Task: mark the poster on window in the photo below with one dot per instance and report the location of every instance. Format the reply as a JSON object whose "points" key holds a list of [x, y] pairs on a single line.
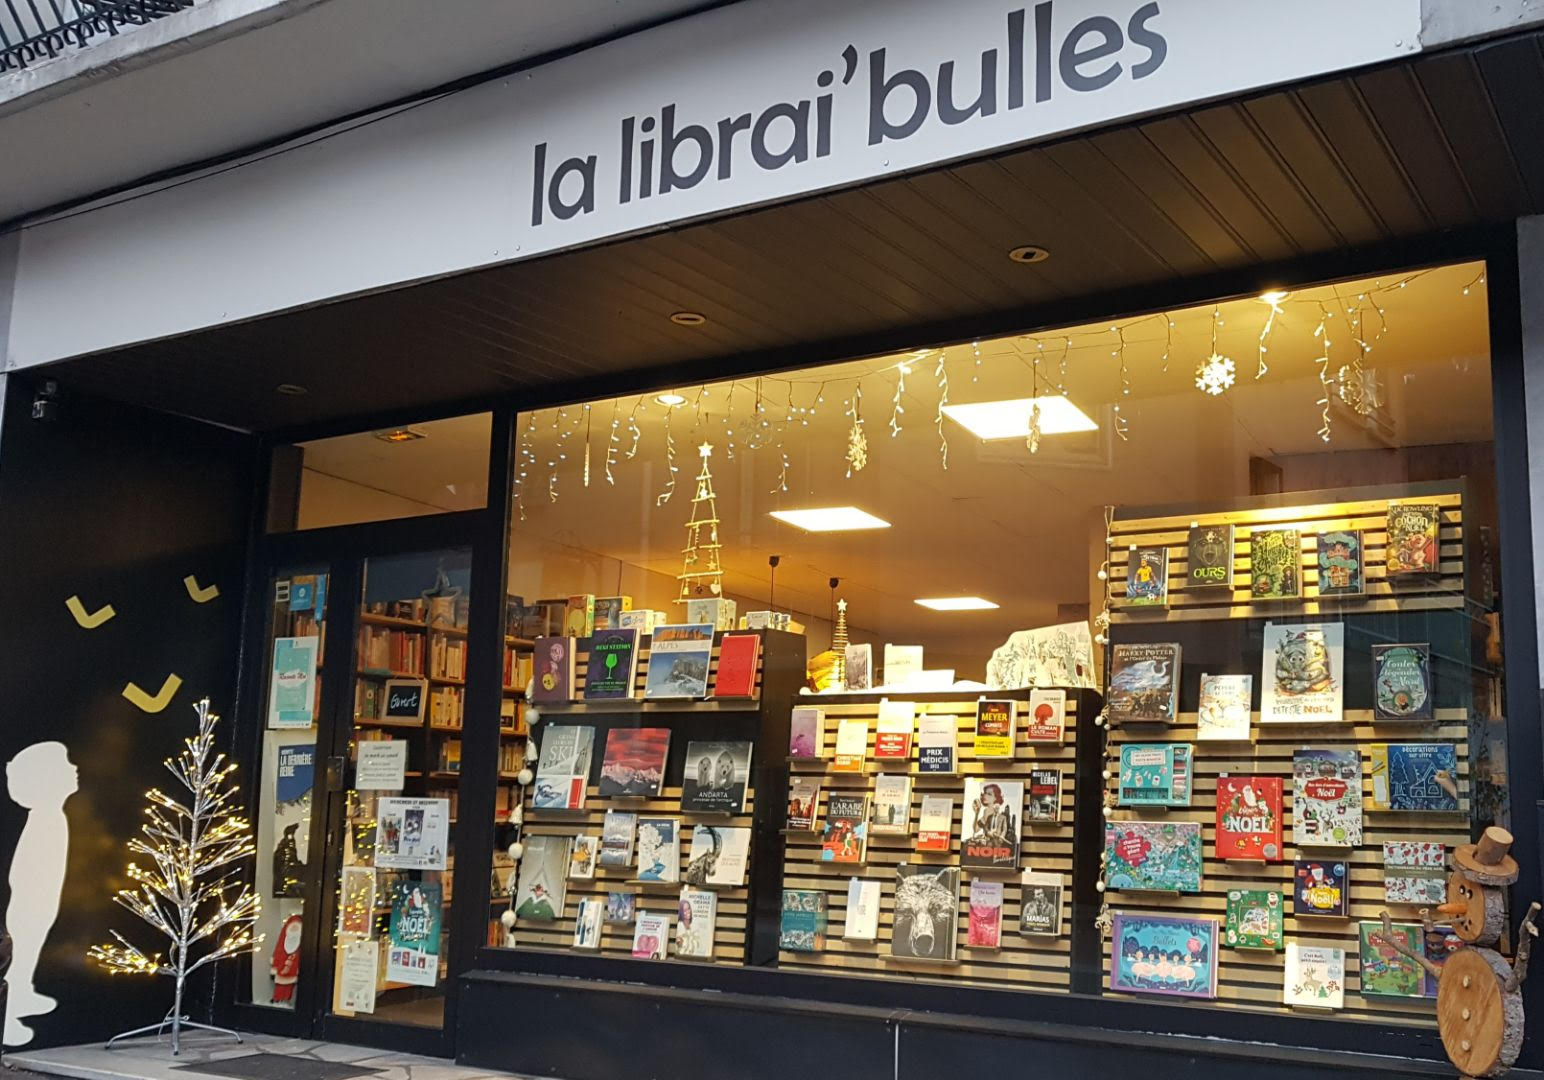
{"points": [[412, 834], [292, 683], [413, 954], [356, 988]]}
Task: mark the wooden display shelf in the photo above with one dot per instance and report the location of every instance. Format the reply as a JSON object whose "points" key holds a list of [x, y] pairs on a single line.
{"points": [[445, 680], [386, 673], [450, 631], [381, 722], [392, 621]]}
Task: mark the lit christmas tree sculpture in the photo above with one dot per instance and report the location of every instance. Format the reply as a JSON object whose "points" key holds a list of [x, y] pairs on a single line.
{"points": [[839, 647], [193, 891], [700, 566]]}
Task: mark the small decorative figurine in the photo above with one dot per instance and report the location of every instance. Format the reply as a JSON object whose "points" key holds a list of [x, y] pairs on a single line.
{"points": [[1479, 994]]}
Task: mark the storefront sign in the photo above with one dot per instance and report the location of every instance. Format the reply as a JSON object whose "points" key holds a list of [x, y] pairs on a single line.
{"points": [[381, 765]]}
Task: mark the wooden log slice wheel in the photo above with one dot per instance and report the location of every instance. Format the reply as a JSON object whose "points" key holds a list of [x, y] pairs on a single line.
{"points": [[1479, 1017]]}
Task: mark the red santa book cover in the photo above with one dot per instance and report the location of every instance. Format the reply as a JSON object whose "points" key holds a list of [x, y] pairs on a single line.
{"points": [[1249, 817]]}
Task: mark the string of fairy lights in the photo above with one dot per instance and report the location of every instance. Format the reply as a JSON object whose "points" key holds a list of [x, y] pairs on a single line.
{"points": [[760, 413]]}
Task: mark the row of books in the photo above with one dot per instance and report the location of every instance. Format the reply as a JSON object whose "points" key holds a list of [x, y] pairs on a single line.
{"points": [[926, 912], [447, 706], [935, 736], [715, 776], [385, 649], [517, 668], [991, 829], [1276, 559], [1302, 681], [447, 657], [680, 658]]}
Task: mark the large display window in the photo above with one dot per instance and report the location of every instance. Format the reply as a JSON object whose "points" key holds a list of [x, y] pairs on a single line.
{"points": [[1157, 656]]}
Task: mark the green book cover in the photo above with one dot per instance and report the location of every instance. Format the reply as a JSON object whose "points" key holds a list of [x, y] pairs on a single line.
{"points": [[1254, 919], [1385, 971]]}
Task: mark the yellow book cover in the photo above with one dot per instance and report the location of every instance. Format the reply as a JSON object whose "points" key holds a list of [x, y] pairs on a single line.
{"points": [[994, 728]]}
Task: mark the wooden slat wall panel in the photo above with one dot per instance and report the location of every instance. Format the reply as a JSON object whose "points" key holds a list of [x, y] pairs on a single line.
{"points": [[731, 930], [1041, 963], [1253, 978]]}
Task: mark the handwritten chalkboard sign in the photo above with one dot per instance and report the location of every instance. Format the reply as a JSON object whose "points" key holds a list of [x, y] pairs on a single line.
{"points": [[404, 700]]}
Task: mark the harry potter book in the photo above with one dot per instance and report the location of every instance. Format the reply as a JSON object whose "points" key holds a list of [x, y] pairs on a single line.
{"points": [[1144, 683], [1147, 577], [1401, 682], [1326, 798], [1249, 817], [1340, 563], [1411, 550], [1209, 557], [1275, 564], [845, 836], [991, 821]]}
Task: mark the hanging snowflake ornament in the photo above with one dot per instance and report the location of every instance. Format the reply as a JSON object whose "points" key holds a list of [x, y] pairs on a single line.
{"points": [[857, 448], [1033, 440], [1214, 375]]}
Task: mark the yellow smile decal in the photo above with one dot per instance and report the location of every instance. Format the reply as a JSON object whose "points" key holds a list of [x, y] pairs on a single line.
{"points": [[91, 620], [146, 703], [200, 595]]}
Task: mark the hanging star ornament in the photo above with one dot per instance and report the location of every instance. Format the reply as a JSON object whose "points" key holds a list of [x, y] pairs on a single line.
{"points": [[1214, 375], [705, 450]]}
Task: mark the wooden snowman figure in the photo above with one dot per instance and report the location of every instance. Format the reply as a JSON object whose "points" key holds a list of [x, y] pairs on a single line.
{"points": [[1479, 994]]}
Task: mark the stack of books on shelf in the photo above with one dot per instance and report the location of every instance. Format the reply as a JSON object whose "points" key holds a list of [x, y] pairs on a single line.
{"points": [[447, 657], [447, 704], [384, 649], [511, 758], [450, 756], [517, 668]]}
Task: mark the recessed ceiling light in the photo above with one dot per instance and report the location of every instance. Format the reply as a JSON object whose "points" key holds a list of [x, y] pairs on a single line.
{"points": [[688, 318], [401, 435], [1274, 296], [957, 603], [1029, 253], [290, 389], [671, 400], [830, 519], [1010, 419]]}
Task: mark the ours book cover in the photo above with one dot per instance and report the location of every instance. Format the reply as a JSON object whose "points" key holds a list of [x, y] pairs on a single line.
{"points": [[1326, 798], [1147, 577], [634, 762], [1249, 817], [1144, 683], [717, 775], [1153, 856], [1412, 540], [991, 822], [1401, 682], [1209, 557], [1414, 776], [1162, 954], [845, 837], [1275, 564]]}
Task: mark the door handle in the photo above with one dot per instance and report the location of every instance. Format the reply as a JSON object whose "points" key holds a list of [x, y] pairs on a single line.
{"points": [[335, 767]]}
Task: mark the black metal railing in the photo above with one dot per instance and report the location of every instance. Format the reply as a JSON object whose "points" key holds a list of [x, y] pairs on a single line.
{"points": [[35, 30]]}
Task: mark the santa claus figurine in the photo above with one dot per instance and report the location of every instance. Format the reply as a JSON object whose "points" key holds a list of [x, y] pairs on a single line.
{"points": [[284, 965]]}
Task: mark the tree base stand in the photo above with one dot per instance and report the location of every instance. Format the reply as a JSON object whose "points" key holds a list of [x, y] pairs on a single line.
{"points": [[176, 1023]]}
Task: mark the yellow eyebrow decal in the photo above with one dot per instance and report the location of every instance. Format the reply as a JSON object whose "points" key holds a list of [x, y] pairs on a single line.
{"points": [[146, 703], [200, 595], [92, 620]]}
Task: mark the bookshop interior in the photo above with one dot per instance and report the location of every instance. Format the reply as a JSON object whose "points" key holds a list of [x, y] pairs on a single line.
{"points": [[1156, 656]]}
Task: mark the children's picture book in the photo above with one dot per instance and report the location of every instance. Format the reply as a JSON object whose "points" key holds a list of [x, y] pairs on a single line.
{"points": [[1040, 904], [1209, 557], [1315, 976], [659, 849], [938, 744], [1326, 798], [1045, 717], [717, 775], [927, 912], [1154, 774], [583, 856], [621, 907], [587, 922], [991, 824], [1254, 919], [579, 616], [1321, 887], [1043, 803], [892, 805], [1414, 776], [903, 664], [1162, 954], [858, 667], [552, 671], [1385, 971], [608, 611], [935, 825], [612, 666], [806, 732], [803, 927], [634, 762], [1401, 682], [679, 657], [863, 897], [696, 919], [1438, 944], [718, 857], [563, 771], [1414, 872], [1144, 683], [1249, 817], [893, 730], [803, 799], [1303, 673], [616, 838], [994, 728], [543, 882], [984, 929], [651, 936], [844, 838], [1153, 856], [1275, 564], [1340, 563], [737, 658], [851, 745], [1147, 577], [1411, 549], [1225, 708]]}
